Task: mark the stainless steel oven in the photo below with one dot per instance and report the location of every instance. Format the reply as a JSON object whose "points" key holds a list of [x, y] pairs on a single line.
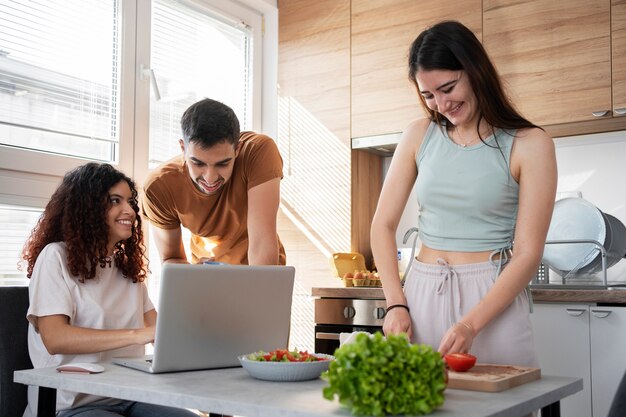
{"points": [[334, 316]]}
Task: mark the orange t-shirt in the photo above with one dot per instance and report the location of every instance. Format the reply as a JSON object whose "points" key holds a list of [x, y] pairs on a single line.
{"points": [[218, 223]]}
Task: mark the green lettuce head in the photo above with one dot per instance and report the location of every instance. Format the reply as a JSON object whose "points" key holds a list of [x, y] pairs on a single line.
{"points": [[379, 376]]}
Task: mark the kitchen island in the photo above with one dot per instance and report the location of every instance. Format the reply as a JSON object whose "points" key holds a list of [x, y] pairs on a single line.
{"points": [[234, 392]]}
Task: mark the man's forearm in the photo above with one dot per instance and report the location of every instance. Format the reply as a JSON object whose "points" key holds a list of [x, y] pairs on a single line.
{"points": [[263, 255]]}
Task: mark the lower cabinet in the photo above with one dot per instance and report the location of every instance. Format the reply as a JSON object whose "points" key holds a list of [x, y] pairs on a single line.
{"points": [[584, 341], [608, 355], [563, 348]]}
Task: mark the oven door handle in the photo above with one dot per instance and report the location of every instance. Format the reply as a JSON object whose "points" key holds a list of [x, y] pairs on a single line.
{"points": [[326, 336]]}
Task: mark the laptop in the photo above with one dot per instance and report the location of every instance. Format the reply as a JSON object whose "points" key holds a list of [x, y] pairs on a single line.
{"points": [[208, 315]]}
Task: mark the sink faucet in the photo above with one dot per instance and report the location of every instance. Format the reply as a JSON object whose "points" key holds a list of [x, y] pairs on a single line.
{"points": [[407, 235]]}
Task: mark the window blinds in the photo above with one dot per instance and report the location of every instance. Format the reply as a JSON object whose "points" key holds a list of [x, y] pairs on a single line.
{"points": [[195, 53], [59, 71]]}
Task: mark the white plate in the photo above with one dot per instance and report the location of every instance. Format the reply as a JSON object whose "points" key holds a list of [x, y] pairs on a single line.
{"points": [[573, 218], [286, 371]]}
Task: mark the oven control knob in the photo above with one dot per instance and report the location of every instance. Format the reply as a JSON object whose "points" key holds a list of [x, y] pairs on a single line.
{"points": [[379, 313], [349, 312]]}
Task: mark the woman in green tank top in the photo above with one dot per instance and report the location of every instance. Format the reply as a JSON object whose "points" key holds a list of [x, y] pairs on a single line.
{"points": [[486, 179]]}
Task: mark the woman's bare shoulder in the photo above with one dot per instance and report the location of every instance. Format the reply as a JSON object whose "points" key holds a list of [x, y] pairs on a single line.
{"points": [[413, 134], [418, 126], [534, 149], [534, 134], [533, 140]]}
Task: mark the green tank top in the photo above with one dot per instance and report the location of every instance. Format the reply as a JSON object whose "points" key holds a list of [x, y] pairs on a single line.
{"points": [[467, 198]]}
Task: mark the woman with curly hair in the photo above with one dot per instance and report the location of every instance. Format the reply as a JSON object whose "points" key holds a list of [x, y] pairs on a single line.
{"points": [[88, 301]]}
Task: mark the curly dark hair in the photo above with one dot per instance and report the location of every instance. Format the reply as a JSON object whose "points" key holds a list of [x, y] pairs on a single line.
{"points": [[76, 215]]}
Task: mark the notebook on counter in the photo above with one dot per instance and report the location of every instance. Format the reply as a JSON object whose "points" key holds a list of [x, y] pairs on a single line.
{"points": [[208, 315]]}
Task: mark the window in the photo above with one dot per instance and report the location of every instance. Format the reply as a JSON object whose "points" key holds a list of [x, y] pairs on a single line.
{"points": [[195, 53], [71, 90], [15, 226], [108, 80], [59, 77]]}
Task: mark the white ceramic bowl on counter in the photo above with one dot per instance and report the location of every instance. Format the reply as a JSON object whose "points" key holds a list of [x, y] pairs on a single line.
{"points": [[286, 371]]}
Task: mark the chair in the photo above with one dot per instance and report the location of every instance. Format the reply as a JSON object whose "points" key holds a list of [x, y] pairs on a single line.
{"points": [[618, 406], [13, 349]]}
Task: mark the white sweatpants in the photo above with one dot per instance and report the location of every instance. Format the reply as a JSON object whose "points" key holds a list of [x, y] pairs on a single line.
{"points": [[440, 295]]}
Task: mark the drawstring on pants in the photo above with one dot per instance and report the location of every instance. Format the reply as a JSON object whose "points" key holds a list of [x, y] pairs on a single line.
{"points": [[451, 285]]}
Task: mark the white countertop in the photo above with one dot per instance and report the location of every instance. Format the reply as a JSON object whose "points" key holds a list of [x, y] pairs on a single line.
{"points": [[234, 392]]}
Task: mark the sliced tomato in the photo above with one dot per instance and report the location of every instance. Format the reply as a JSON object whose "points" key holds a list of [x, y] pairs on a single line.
{"points": [[460, 362], [279, 353]]}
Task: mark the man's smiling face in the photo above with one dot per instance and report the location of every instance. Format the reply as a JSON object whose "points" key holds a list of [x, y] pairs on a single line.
{"points": [[210, 168]]}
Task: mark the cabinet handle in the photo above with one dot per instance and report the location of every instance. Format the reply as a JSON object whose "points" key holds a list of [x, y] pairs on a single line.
{"points": [[327, 336], [600, 113], [601, 314], [621, 111], [575, 312]]}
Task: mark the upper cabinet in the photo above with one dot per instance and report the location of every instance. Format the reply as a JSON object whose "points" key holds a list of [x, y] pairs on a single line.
{"points": [[563, 62], [554, 55], [618, 46], [383, 99]]}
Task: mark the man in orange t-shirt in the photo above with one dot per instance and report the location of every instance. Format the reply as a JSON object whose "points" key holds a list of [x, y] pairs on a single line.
{"points": [[224, 188]]}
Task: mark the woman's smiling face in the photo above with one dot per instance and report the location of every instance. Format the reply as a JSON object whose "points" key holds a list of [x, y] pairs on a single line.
{"points": [[450, 94], [121, 214]]}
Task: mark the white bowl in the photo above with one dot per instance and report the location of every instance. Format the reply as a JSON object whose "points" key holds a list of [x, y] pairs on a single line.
{"points": [[286, 371], [573, 219]]}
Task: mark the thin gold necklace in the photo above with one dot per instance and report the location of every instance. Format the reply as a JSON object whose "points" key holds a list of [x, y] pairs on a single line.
{"points": [[461, 144]]}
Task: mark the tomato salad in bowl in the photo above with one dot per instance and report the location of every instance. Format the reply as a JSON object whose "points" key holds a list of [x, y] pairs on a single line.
{"points": [[285, 365], [284, 355]]}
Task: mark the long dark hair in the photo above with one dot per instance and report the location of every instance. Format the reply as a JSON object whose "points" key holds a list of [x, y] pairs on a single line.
{"points": [[76, 215], [449, 45]]}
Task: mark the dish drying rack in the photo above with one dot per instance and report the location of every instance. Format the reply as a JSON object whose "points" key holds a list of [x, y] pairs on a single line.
{"points": [[541, 280]]}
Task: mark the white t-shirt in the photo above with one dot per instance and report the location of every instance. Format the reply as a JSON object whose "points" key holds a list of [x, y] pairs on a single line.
{"points": [[109, 301]]}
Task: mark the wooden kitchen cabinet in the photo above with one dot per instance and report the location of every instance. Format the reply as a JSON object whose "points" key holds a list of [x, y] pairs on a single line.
{"points": [[558, 71], [383, 99], [554, 55], [584, 341], [314, 118], [331, 189]]}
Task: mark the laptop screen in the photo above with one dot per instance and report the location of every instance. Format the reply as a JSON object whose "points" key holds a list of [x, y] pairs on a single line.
{"points": [[208, 315]]}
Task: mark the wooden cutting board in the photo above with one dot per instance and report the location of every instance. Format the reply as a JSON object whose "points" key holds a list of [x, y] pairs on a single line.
{"points": [[492, 378]]}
